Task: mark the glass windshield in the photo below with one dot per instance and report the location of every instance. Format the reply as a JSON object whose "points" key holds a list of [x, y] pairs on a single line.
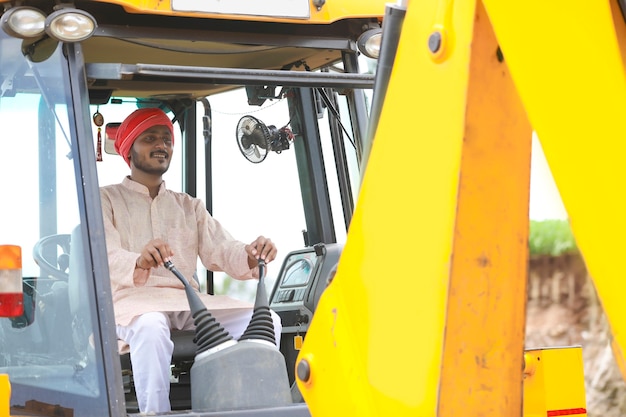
{"points": [[48, 352]]}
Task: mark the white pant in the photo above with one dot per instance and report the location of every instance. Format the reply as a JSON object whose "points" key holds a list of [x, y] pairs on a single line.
{"points": [[148, 337]]}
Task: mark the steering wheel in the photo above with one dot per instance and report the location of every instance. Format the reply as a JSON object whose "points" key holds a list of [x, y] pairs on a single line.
{"points": [[51, 244]]}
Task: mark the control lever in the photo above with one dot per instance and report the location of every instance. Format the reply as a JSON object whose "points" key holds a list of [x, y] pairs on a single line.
{"points": [[238, 374], [261, 326], [195, 303], [209, 332]]}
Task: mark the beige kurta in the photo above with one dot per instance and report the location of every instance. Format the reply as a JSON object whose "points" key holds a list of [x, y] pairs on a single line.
{"points": [[132, 218]]}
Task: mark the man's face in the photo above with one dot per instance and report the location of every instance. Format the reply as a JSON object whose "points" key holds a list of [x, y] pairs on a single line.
{"points": [[152, 150]]}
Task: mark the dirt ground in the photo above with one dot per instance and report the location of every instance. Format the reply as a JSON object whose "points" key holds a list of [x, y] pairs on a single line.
{"points": [[563, 310]]}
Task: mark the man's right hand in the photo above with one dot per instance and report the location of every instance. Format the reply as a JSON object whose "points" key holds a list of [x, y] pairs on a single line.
{"points": [[154, 254]]}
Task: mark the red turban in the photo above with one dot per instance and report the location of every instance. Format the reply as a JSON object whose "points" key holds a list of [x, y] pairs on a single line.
{"points": [[135, 124]]}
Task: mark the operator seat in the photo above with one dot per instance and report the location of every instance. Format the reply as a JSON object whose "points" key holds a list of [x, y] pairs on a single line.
{"points": [[180, 386], [183, 357]]}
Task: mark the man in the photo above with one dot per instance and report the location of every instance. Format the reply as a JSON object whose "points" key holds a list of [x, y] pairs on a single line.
{"points": [[147, 225]]}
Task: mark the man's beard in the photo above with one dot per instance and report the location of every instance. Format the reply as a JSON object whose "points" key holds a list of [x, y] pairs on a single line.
{"points": [[147, 168]]}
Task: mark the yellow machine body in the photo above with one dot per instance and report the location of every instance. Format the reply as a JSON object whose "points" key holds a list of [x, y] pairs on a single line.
{"points": [[426, 313], [554, 383]]}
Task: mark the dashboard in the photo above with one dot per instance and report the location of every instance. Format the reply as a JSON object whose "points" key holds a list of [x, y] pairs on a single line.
{"points": [[303, 276], [297, 274]]}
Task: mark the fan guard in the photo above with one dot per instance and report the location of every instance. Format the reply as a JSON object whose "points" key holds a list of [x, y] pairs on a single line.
{"points": [[253, 139]]}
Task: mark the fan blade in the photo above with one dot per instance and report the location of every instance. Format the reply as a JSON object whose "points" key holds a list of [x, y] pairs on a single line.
{"points": [[253, 138], [246, 142]]}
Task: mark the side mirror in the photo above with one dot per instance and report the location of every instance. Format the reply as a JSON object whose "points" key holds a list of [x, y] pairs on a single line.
{"points": [[109, 137]]}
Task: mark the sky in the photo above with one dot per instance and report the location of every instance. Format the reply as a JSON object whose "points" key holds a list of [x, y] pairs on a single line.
{"points": [[545, 200]]}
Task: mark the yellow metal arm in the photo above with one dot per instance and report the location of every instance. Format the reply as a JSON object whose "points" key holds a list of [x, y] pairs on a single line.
{"points": [[426, 313]]}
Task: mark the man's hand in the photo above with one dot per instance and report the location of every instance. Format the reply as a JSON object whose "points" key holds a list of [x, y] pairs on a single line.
{"points": [[155, 253], [261, 248]]}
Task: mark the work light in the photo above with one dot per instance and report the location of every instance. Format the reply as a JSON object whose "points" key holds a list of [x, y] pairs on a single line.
{"points": [[24, 22], [369, 42], [70, 25]]}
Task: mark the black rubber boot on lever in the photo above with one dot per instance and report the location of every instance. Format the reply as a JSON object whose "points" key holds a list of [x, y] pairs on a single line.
{"points": [[209, 332], [261, 326], [238, 374]]}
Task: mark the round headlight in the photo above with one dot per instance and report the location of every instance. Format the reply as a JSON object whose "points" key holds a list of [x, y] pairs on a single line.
{"points": [[24, 22], [369, 43], [70, 25]]}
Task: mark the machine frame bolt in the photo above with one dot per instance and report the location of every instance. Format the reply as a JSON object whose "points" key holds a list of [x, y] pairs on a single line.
{"points": [[434, 42], [303, 370]]}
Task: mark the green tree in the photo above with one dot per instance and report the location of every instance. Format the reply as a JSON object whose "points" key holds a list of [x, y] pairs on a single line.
{"points": [[551, 237]]}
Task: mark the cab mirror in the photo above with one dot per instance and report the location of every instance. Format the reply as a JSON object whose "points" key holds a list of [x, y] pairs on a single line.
{"points": [[109, 137]]}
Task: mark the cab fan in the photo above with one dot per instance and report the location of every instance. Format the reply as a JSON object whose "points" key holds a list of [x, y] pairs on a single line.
{"points": [[255, 139]]}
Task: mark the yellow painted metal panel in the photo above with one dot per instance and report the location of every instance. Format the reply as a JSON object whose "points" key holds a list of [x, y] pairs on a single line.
{"points": [[5, 394], [568, 64], [375, 343], [554, 383], [331, 11]]}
